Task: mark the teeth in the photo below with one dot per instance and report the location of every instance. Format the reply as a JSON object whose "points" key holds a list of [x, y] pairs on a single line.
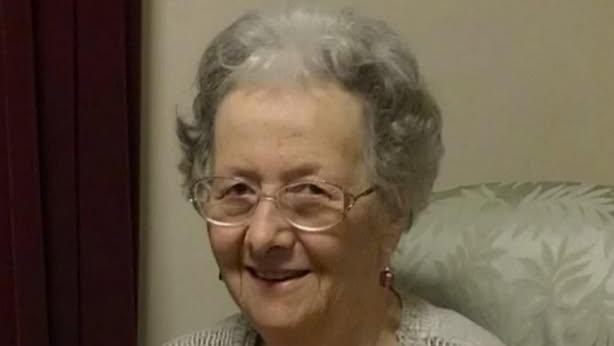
{"points": [[278, 275]]}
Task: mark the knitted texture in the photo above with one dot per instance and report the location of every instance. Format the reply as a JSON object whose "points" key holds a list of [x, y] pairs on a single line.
{"points": [[422, 324]]}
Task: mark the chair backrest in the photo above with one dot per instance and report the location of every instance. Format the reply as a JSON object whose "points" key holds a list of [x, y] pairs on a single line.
{"points": [[531, 262]]}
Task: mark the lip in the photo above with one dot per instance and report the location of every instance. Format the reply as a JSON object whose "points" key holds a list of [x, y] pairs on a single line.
{"points": [[277, 276]]}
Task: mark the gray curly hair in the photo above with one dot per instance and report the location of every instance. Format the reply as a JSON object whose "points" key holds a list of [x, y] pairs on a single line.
{"points": [[363, 55]]}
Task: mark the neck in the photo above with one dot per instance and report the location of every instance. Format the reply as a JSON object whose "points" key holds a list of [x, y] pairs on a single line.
{"points": [[359, 323]]}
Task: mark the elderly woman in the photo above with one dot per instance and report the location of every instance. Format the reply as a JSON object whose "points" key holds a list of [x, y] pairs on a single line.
{"points": [[313, 144]]}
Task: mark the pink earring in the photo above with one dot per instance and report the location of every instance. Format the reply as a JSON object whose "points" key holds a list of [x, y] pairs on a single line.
{"points": [[386, 277]]}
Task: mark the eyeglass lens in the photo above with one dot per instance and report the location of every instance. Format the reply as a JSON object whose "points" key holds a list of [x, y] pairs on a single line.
{"points": [[307, 204]]}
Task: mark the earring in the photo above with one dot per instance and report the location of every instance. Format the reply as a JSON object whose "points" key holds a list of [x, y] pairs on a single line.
{"points": [[386, 277], [219, 276]]}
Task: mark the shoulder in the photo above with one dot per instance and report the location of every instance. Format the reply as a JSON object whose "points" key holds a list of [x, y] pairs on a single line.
{"points": [[232, 331], [432, 325], [456, 329]]}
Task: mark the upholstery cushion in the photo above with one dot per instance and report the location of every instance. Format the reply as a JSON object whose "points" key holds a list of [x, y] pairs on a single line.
{"points": [[531, 262]]}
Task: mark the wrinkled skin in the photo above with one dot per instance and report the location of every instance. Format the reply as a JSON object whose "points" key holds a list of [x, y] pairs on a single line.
{"points": [[272, 135]]}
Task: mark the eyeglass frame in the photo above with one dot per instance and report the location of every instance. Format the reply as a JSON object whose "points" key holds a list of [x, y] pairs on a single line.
{"points": [[347, 196]]}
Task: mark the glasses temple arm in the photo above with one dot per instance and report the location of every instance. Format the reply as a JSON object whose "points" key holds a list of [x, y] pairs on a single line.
{"points": [[353, 198]]}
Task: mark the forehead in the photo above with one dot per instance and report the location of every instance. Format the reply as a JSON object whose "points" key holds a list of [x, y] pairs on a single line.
{"points": [[280, 127]]}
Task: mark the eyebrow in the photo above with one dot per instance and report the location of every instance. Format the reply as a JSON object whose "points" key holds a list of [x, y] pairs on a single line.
{"points": [[243, 173], [301, 170], [293, 173]]}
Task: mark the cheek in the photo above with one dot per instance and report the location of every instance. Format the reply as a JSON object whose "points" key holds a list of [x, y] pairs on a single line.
{"points": [[362, 248], [347, 256], [361, 243], [226, 245]]}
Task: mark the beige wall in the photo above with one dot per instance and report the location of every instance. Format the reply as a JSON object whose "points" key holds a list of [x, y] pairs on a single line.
{"points": [[527, 90]]}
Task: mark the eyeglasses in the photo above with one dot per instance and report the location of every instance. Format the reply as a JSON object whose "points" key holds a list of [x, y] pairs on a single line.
{"points": [[309, 205]]}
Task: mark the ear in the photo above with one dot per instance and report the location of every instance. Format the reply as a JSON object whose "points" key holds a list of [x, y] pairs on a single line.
{"points": [[390, 237]]}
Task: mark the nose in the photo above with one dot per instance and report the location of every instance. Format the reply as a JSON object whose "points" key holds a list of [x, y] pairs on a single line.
{"points": [[268, 230]]}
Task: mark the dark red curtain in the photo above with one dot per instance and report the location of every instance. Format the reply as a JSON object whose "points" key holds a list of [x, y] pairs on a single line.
{"points": [[69, 122]]}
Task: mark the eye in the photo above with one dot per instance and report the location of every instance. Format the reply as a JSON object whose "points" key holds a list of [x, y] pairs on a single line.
{"points": [[235, 190], [315, 189], [309, 189]]}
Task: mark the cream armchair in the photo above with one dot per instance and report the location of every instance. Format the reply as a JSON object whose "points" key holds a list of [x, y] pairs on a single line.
{"points": [[531, 262]]}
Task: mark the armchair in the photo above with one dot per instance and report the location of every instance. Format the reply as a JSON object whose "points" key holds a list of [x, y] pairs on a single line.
{"points": [[531, 262]]}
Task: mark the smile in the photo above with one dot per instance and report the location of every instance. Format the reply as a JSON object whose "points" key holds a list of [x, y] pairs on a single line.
{"points": [[277, 276]]}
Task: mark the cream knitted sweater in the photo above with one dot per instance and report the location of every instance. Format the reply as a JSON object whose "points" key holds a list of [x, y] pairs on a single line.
{"points": [[422, 324]]}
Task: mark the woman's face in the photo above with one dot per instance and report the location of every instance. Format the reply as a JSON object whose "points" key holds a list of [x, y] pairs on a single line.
{"points": [[278, 275]]}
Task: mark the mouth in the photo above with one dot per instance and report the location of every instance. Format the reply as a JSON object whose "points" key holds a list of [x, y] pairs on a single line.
{"points": [[277, 276]]}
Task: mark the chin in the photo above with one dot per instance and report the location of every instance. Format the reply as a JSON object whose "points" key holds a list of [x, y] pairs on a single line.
{"points": [[277, 317], [280, 305]]}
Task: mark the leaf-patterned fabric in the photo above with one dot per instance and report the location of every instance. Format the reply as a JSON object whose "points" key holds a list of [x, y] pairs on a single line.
{"points": [[531, 262]]}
